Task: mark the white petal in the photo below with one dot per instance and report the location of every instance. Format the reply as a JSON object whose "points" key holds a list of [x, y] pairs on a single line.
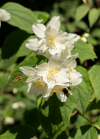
{"points": [[27, 70], [61, 36], [4, 15], [70, 62], [55, 61], [62, 77], [42, 69], [50, 32], [55, 22], [46, 54], [39, 30], [58, 48], [46, 92], [43, 48], [72, 37], [76, 81], [32, 44], [34, 90], [61, 97]]}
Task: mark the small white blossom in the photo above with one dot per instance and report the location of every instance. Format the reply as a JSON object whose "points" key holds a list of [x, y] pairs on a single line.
{"points": [[14, 90], [84, 39], [33, 138], [4, 15], [9, 121], [19, 104], [86, 35]]}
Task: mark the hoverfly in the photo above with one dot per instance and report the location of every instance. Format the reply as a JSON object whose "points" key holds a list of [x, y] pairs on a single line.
{"points": [[17, 78]]}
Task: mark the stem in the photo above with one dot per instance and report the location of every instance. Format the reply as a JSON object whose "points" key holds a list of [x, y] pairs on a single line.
{"points": [[86, 118], [97, 126], [42, 136]]}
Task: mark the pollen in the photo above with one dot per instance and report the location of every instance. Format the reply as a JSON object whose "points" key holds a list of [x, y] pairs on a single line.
{"points": [[56, 90], [52, 73], [53, 40], [39, 83]]}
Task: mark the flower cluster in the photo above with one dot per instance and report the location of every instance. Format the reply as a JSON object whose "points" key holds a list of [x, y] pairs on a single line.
{"points": [[4, 15], [59, 73]]}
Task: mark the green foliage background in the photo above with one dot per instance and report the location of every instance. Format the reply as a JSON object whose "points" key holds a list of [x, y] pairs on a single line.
{"points": [[63, 122]]}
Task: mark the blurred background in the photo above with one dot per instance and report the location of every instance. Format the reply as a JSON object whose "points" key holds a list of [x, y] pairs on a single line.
{"points": [[15, 104]]}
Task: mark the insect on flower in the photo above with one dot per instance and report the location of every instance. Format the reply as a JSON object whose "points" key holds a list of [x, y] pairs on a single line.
{"points": [[66, 92]]}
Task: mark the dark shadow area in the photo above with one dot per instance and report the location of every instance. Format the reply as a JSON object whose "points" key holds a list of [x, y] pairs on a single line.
{"points": [[21, 132], [83, 129], [50, 115]]}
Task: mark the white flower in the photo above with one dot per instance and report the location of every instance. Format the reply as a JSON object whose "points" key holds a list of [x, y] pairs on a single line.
{"points": [[52, 72], [84, 39], [4, 15], [9, 121], [19, 104], [51, 38], [86, 35], [75, 77], [36, 85]]}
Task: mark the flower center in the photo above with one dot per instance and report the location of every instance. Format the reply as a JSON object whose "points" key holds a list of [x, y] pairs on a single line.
{"points": [[56, 90], [52, 41], [52, 73], [39, 83]]}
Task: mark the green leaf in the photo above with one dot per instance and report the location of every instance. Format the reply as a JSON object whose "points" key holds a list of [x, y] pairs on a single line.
{"points": [[20, 132], [63, 135], [82, 93], [82, 25], [84, 51], [13, 42], [42, 16], [23, 50], [98, 123], [93, 16], [95, 80], [32, 115], [81, 11], [21, 17], [96, 32], [3, 80], [55, 114], [84, 132], [81, 121], [30, 61], [93, 105]]}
